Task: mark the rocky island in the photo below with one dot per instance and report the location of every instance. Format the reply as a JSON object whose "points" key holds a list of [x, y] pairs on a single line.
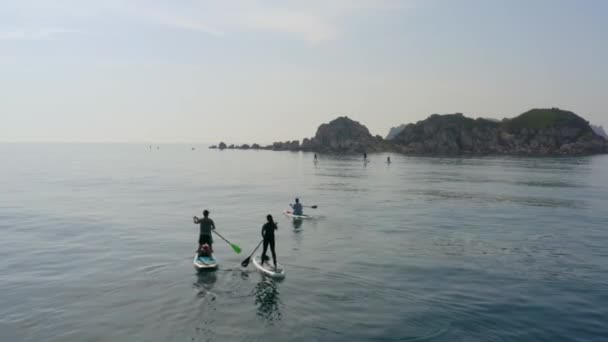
{"points": [[538, 132]]}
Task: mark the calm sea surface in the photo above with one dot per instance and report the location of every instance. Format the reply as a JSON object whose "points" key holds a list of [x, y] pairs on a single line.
{"points": [[97, 243]]}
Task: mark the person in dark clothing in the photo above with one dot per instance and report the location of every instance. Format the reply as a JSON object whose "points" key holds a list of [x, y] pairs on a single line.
{"points": [[268, 234], [206, 225]]}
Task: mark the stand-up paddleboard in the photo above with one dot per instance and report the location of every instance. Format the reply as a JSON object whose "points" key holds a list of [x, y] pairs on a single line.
{"points": [[204, 262], [268, 269], [289, 213]]}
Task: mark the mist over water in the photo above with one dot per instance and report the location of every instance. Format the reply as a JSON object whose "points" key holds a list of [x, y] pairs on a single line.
{"points": [[97, 244]]}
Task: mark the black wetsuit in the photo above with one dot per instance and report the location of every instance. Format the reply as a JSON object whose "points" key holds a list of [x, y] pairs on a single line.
{"points": [[268, 234]]}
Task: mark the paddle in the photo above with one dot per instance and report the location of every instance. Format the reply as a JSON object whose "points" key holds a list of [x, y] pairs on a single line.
{"points": [[310, 206], [245, 262], [236, 248]]}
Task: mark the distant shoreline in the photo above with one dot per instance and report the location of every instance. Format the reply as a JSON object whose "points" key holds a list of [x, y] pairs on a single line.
{"points": [[539, 132]]}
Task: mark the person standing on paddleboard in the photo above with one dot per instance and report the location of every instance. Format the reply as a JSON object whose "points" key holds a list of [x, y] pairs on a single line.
{"points": [[205, 233], [297, 208], [268, 234]]}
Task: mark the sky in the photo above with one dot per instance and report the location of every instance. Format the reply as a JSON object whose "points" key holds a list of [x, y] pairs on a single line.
{"points": [[247, 71]]}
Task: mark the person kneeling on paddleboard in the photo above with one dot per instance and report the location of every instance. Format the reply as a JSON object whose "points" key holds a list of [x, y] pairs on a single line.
{"points": [[205, 233], [268, 234], [297, 208]]}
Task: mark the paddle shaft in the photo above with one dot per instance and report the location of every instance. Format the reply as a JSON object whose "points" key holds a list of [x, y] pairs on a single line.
{"points": [[256, 248], [246, 261], [218, 234], [307, 206]]}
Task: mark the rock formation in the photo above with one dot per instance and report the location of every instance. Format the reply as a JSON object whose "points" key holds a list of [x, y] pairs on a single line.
{"points": [[536, 132], [394, 131], [343, 135]]}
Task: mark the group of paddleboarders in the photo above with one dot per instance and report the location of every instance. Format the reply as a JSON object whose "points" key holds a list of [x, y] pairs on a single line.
{"points": [[205, 239]]}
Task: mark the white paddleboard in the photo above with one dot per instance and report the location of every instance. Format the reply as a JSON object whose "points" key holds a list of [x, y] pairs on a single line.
{"points": [[205, 263], [289, 213], [268, 269]]}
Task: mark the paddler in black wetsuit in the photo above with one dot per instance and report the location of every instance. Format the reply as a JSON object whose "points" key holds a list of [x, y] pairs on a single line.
{"points": [[268, 234], [207, 225]]}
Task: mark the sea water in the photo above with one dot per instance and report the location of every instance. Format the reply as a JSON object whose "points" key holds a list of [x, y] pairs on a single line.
{"points": [[97, 243]]}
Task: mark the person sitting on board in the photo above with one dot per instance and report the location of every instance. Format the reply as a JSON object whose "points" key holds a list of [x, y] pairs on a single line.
{"points": [[207, 225], [268, 234], [297, 208], [204, 251]]}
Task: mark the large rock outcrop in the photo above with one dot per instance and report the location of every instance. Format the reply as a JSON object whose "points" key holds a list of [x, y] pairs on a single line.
{"points": [[343, 135], [448, 134], [394, 131], [536, 132]]}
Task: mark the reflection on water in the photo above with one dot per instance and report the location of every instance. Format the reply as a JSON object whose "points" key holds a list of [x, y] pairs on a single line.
{"points": [[205, 281], [267, 300], [297, 223]]}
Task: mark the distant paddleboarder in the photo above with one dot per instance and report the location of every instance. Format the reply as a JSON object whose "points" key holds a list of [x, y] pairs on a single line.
{"points": [[315, 159], [297, 208], [206, 225], [268, 234], [388, 160]]}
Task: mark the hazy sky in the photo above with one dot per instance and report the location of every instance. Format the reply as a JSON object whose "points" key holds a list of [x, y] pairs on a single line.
{"points": [[261, 71]]}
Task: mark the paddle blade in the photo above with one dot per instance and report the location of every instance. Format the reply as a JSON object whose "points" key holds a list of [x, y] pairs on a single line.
{"points": [[236, 248], [245, 262], [314, 207]]}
